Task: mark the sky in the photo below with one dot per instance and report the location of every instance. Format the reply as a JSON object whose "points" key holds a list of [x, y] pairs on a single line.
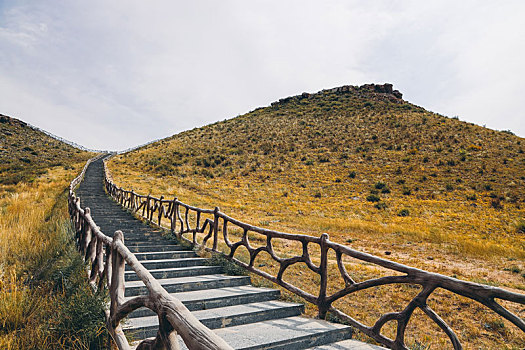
{"points": [[110, 75]]}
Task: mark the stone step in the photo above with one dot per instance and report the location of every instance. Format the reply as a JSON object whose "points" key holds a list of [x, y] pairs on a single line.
{"points": [[215, 298], [145, 239], [283, 334], [126, 227], [144, 248], [177, 272], [185, 284], [169, 263], [348, 344], [166, 255], [229, 316]]}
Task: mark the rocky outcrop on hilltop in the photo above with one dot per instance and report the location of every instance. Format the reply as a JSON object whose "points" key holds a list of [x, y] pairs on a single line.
{"points": [[374, 91]]}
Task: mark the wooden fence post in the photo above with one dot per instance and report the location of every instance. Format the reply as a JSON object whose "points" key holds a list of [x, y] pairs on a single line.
{"points": [[215, 228], [173, 216], [87, 235], [77, 216], [323, 272], [117, 290], [132, 204], [161, 210]]}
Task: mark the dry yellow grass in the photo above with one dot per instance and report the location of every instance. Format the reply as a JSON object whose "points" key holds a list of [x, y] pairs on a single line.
{"points": [[23, 212], [454, 202], [36, 304], [24, 241]]}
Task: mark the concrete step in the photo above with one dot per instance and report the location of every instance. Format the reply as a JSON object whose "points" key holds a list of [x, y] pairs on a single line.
{"points": [[177, 272], [185, 284], [229, 316], [284, 334], [143, 248], [177, 254], [348, 344], [142, 239], [215, 298], [170, 263]]}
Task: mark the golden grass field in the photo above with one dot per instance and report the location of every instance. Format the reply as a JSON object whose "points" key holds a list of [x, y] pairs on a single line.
{"points": [[382, 176]]}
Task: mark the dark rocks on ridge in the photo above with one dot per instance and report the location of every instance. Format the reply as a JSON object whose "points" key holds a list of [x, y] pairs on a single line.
{"points": [[382, 91]]}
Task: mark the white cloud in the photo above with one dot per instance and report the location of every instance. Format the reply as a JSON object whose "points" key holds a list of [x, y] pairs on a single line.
{"points": [[131, 71]]}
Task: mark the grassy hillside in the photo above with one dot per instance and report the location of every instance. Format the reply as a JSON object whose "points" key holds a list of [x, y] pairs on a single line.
{"points": [[372, 170], [26, 153], [45, 300]]}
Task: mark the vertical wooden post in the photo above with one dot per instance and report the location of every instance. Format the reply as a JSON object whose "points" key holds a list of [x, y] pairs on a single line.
{"points": [[161, 210], [215, 228], [95, 257], [87, 234], [109, 266], [173, 218], [198, 222], [99, 268], [77, 216], [180, 221], [147, 206], [322, 305], [186, 219], [117, 289], [133, 206]]}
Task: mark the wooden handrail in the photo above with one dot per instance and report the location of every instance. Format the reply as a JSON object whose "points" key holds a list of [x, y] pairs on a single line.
{"points": [[428, 281], [107, 258]]}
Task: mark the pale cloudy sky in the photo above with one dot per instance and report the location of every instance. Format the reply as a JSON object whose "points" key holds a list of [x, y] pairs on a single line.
{"points": [[115, 74]]}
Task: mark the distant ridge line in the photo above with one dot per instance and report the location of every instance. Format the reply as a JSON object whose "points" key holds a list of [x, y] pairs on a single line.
{"points": [[56, 137]]}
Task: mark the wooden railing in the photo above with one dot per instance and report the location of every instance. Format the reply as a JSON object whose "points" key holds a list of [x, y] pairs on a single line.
{"points": [[185, 219], [107, 258]]}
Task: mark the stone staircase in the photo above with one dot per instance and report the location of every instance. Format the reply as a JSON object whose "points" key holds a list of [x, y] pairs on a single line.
{"points": [[245, 316]]}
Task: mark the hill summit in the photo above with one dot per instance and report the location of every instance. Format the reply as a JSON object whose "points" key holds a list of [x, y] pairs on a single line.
{"points": [[371, 91]]}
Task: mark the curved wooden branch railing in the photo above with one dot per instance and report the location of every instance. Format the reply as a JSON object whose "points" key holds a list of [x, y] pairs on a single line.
{"points": [[185, 219], [107, 258]]}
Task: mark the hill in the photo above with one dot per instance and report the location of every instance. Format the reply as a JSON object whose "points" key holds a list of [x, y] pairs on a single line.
{"points": [[348, 150], [26, 152], [374, 171]]}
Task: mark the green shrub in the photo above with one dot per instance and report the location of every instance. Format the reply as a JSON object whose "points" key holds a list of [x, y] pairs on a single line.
{"points": [[373, 198], [380, 185], [496, 203], [404, 212], [380, 205]]}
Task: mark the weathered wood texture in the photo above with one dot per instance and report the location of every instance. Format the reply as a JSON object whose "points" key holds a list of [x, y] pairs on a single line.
{"points": [[174, 317], [185, 219]]}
